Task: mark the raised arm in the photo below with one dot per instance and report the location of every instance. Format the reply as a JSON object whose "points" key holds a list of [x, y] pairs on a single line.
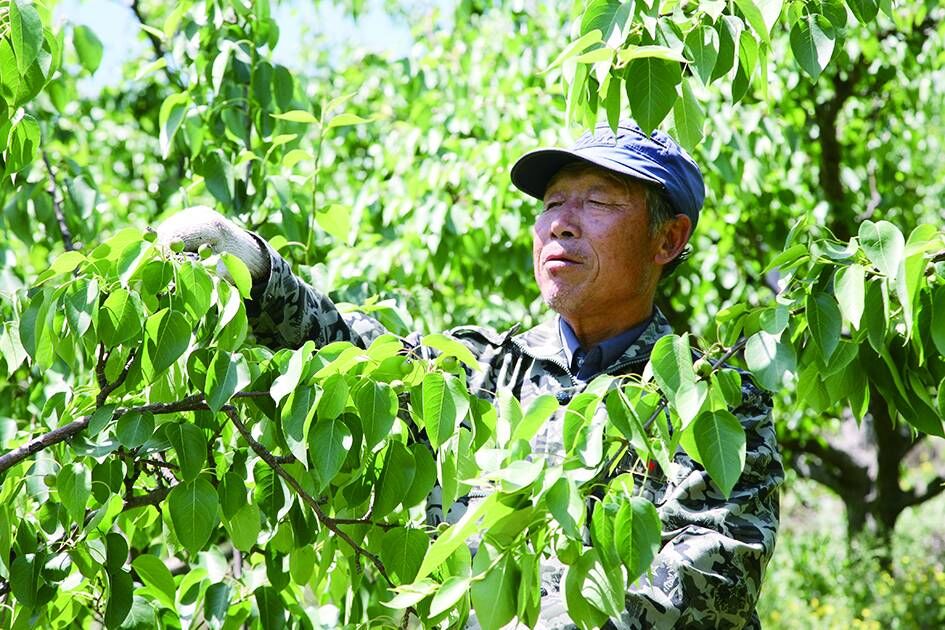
{"points": [[284, 311]]}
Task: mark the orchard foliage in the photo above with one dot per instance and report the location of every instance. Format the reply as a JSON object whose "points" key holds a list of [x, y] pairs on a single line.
{"points": [[159, 467]]}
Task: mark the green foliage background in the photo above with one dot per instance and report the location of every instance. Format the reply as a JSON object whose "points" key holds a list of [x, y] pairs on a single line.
{"points": [[384, 181]]}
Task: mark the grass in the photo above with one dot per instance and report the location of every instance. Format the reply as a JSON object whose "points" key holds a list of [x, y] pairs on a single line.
{"points": [[816, 580]]}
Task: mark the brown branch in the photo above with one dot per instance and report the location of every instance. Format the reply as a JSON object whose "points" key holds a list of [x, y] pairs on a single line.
{"points": [[152, 498], [933, 488], [364, 521], [44, 441], [106, 388], [53, 191], [326, 520]]}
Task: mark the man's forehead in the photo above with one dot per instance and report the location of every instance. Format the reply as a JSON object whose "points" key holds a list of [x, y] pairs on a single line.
{"points": [[591, 176]]}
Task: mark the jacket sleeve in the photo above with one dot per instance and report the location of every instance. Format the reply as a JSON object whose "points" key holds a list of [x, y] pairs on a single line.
{"points": [[285, 312], [709, 570]]}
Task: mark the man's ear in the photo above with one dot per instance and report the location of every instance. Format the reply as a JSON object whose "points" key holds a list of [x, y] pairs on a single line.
{"points": [[672, 238]]}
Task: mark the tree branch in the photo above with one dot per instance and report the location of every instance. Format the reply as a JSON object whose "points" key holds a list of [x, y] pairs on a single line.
{"points": [[106, 388], [152, 498], [326, 520], [44, 441], [53, 191], [933, 488]]}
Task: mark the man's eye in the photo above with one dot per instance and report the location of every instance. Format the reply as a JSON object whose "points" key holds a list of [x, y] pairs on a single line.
{"points": [[550, 205]]}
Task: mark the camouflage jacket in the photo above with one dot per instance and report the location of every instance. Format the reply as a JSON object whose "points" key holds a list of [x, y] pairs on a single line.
{"points": [[709, 570]]}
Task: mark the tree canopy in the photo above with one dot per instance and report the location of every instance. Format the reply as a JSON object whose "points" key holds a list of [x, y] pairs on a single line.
{"points": [[159, 467]]}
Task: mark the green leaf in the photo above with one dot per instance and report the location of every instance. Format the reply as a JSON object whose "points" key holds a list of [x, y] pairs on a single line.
{"points": [[302, 563], [134, 429], [88, 46], [153, 573], [575, 48], [196, 288], [345, 119], [884, 245], [226, 375], [823, 320], [239, 273], [244, 527], [637, 531], [216, 602], [190, 445], [286, 382], [297, 414], [170, 118], [753, 15], [610, 17], [812, 41], [334, 397], [395, 480], [271, 608], [651, 89], [402, 551], [218, 176], [67, 262], [336, 220], [74, 483], [494, 591], [479, 519], [581, 610], [452, 348], [537, 414], [565, 504], [445, 403], [716, 440], [81, 306], [166, 338], [120, 597], [424, 477], [688, 119], [26, 578], [297, 116], [770, 361], [26, 33], [702, 43], [937, 328], [120, 318], [328, 442], [876, 314], [377, 406], [193, 510], [448, 595], [864, 10], [850, 289], [671, 360]]}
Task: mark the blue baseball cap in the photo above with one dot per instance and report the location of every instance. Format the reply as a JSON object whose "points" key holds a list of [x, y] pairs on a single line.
{"points": [[654, 158]]}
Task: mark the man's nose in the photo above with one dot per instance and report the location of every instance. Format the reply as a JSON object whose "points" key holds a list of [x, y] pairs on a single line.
{"points": [[565, 223]]}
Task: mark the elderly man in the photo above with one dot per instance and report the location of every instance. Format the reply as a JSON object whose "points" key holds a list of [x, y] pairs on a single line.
{"points": [[618, 210]]}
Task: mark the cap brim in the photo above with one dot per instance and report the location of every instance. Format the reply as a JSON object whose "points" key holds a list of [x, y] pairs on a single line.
{"points": [[533, 171]]}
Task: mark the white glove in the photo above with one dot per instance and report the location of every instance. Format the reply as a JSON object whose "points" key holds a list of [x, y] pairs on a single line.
{"points": [[200, 225]]}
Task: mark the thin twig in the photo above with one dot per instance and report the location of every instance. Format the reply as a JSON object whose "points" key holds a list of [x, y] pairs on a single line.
{"points": [[152, 498], [106, 388], [44, 441], [326, 520], [53, 191]]}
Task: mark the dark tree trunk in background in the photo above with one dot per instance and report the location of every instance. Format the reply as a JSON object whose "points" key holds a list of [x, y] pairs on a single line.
{"points": [[863, 465]]}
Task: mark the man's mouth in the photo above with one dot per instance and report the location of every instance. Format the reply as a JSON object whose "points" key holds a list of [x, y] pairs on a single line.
{"points": [[561, 260]]}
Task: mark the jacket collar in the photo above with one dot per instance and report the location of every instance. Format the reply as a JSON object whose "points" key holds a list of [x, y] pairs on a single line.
{"points": [[544, 341]]}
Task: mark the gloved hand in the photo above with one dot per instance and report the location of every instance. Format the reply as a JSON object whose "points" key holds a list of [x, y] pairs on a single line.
{"points": [[200, 225]]}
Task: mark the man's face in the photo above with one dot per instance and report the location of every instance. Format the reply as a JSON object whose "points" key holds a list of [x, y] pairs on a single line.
{"points": [[593, 254]]}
